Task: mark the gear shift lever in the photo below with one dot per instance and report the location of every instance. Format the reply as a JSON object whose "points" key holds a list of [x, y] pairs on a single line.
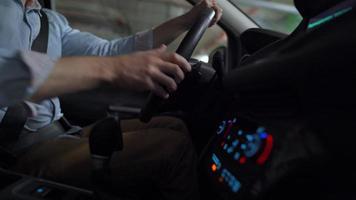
{"points": [[104, 140]]}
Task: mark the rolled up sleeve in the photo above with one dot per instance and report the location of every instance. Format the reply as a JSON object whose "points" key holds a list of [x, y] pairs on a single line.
{"points": [[77, 43], [21, 74], [144, 41]]}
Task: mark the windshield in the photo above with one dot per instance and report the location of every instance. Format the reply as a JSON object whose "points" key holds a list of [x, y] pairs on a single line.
{"points": [[277, 15], [112, 19]]}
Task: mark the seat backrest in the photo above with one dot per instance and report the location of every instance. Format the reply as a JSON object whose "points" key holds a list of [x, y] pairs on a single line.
{"points": [[309, 9], [312, 65], [45, 3]]}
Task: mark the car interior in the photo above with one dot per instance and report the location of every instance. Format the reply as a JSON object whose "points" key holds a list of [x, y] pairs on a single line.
{"points": [[272, 115]]}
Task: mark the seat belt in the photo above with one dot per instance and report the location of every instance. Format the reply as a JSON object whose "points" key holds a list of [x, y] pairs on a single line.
{"points": [[40, 44], [16, 116]]}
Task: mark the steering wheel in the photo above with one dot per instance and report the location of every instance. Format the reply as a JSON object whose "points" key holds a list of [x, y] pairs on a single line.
{"points": [[185, 49]]}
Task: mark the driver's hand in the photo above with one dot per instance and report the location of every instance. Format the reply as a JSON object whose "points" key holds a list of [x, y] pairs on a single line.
{"points": [[194, 13], [157, 70]]}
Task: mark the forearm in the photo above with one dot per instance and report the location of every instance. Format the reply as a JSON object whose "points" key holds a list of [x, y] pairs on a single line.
{"points": [[156, 70], [74, 74], [170, 30]]}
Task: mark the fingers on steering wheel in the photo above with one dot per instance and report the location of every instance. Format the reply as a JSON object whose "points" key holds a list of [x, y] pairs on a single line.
{"points": [[207, 2], [173, 70], [218, 14], [158, 90], [165, 81], [179, 60], [218, 11]]}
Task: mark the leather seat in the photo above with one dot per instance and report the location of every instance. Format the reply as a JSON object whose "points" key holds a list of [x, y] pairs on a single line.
{"points": [[307, 10]]}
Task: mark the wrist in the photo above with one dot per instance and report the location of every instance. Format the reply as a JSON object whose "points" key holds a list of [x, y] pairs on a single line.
{"points": [[105, 69]]}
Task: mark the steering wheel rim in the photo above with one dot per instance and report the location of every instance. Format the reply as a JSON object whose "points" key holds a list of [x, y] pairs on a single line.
{"points": [[185, 49]]}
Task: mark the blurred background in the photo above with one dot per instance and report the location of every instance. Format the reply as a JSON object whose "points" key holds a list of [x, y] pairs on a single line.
{"points": [[119, 18], [278, 15]]}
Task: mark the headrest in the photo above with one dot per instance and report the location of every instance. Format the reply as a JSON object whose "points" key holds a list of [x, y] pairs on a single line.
{"points": [[311, 8], [45, 3], [41, 2]]}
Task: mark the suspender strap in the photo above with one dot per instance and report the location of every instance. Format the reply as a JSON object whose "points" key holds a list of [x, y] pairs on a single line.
{"points": [[16, 116], [40, 44]]}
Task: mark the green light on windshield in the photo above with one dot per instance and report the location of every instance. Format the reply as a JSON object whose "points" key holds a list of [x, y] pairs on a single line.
{"points": [[328, 18]]}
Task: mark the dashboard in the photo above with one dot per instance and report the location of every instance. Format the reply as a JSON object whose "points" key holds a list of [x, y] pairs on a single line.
{"points": [[237, 156]]}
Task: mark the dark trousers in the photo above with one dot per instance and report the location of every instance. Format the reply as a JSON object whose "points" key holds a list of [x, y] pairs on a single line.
{"points": [[158, 161]]}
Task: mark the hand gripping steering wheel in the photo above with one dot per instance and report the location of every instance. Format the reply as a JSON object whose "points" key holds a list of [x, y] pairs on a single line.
{"points": [[185, 49]]}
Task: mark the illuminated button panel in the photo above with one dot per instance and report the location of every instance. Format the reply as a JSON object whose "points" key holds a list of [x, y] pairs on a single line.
{"points": [[225, 176], [242, 147]]}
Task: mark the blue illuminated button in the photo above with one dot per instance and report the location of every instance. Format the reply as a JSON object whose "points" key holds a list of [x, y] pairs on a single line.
{"points": [[216, 161], [237, 156], [253, 145], [231, 181], [249, 138], [230, 150], [261, 130], [243, 146], [40, 190], [235, 143], [236, 186], [226, 146], [263, 135]]}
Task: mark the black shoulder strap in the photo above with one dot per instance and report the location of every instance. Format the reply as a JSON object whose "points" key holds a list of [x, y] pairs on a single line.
{"points": [[40, 44], [16, 116]]}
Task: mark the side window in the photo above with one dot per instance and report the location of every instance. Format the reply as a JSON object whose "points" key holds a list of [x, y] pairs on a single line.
{"points": [[111, 19], [278, 15]]}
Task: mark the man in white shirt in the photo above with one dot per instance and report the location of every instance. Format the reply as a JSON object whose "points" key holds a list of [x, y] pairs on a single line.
{"points": [[157, 156]]}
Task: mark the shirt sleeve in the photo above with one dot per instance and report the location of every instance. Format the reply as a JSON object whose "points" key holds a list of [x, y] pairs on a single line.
{"points": [[21, 73], [77, 43]]}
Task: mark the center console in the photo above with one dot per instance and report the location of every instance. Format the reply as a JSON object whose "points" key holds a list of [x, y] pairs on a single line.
{"points": [[20, 187], [237, 156]]}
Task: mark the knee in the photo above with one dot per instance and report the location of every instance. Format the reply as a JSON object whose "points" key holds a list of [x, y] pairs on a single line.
{"points": [[178, 146], [171, 123], [179, 160]]}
